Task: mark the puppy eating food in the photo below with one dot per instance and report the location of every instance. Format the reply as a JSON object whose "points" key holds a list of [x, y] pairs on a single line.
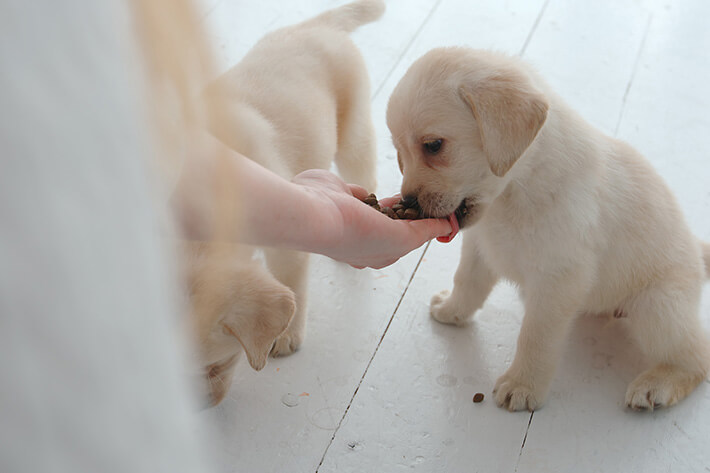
{"points": [[579, 221]]}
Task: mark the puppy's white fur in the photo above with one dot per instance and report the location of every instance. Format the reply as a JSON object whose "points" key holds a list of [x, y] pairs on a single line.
{"points": [[300, 99], [578, 220]]}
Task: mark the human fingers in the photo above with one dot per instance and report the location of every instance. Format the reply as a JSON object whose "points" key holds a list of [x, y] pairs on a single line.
{"points": [[390, 201], [428, 228], [377, 263], [358, 191], [384, 264]]}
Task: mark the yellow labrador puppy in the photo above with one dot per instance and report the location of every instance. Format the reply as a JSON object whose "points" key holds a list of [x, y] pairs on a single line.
{"points": [[300, 99], [579, 221], [236, 305]]}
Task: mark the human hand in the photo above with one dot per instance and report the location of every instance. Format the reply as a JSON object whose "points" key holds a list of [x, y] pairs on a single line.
{"points": [[347, 230]]}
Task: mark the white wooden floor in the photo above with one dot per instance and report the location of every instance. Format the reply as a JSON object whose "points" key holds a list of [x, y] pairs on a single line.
{"points": [[380, 387]]}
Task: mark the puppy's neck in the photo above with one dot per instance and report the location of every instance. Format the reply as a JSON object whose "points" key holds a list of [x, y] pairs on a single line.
{"points": [[555, 162]]}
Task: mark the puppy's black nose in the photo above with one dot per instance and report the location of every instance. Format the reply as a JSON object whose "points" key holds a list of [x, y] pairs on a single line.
{"points": [[409, 200]]}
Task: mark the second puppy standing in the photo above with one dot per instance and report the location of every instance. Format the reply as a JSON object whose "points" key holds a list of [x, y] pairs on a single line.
{"points": [[300, 99]]}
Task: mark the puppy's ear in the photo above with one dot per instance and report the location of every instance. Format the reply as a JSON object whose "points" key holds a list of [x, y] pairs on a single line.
{"points": [[509, 114], [234, 296], [259, 318]]}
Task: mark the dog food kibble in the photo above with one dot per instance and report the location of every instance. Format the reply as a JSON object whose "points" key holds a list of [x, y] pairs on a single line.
{"points": [[389, 212], [398, 211], [478, 397], [371, 200], [411, 214]]}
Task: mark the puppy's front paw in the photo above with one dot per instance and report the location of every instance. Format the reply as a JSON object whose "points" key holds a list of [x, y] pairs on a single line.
{"points": [[661, 386], [443, 309], [517, 393], [287, 343]]}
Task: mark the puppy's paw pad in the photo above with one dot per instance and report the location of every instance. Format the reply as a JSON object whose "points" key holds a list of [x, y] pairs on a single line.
{"points": [[443, 310], [287, 344], [516, 395]]}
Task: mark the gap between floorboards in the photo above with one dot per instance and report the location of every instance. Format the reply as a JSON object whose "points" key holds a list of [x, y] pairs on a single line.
{"points": [[374, 353]]}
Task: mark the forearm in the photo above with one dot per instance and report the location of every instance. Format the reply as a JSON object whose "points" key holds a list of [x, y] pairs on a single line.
{"points": [[223, 195], [280, 213]]}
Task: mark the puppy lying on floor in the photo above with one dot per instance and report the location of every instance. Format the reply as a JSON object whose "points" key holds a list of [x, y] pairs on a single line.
{"points": [[579, 221], [300, 99]]}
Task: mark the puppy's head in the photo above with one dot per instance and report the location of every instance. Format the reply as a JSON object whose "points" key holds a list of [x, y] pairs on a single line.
{"points": [[236, 306], [460, 119]]}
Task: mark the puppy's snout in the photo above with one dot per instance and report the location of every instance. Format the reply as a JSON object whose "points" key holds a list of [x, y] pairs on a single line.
{"points": [[431, 204], [409, 200]]}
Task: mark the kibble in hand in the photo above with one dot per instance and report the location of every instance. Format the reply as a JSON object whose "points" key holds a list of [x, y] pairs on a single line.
{"points": [[389, 212], [371, 200], [398, 211], [411, 213]]}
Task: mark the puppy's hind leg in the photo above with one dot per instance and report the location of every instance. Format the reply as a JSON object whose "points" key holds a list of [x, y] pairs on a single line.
{"points": [[665, 324], [473, 283], [291, 269]]}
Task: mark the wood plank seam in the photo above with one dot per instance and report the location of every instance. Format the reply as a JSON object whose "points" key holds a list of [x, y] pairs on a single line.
{"points": [[639, 54], [534, 28], [374, 354], [406, 48]]}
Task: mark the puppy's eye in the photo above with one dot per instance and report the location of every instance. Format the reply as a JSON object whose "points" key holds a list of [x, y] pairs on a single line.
{"points": [[433, 146]]}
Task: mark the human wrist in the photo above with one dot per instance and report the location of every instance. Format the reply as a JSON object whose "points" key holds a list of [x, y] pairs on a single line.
{"points": [[315, 222]]}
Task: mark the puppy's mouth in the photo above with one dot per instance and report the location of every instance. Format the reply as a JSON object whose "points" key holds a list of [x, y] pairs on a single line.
{"points": [[461, 217]]}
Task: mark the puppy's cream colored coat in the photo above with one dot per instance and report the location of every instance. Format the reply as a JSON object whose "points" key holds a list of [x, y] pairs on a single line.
{"points": [[578, 220], [300, 99], [236, 304]]}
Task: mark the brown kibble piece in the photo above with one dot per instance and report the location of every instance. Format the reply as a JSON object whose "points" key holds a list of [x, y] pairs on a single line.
{"points": [[371, 200], [478, 397], [411, 214], [398, 210], [389, 212]]}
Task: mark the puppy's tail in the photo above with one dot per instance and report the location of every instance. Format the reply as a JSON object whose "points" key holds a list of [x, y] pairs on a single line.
{"points": [[350, 16], [706, 257]]}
